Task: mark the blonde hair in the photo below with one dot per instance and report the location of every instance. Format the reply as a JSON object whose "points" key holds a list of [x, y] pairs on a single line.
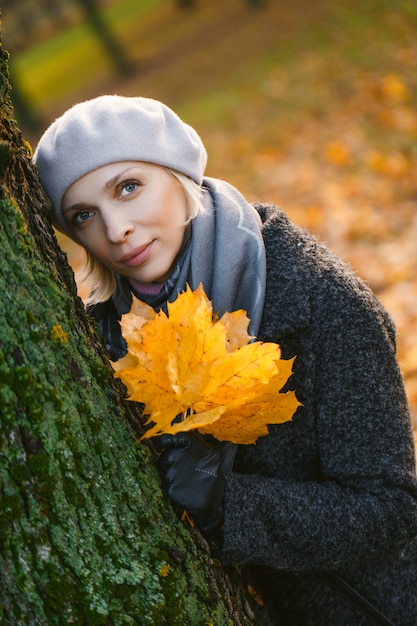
{"points": [[96, 279]]}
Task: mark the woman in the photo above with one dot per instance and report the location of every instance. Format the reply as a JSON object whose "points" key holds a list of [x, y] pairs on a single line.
{"points": [[322, 512]]}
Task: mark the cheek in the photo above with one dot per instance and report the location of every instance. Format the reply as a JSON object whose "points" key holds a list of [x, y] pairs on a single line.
{"points": [[179, 212], [174, 204]]}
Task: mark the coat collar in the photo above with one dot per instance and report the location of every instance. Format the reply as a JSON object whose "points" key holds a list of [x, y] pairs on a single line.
{"points": [[287, 298]]}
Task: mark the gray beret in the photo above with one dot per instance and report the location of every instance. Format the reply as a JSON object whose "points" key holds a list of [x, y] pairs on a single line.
{"points": [[110, 129]]}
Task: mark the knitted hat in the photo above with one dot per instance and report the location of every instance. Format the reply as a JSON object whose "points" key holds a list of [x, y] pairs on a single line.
{"points": [[110, 129]]}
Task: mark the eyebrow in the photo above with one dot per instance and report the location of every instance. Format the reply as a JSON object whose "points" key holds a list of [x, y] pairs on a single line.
{"points": [[76, 207], [113, 181]]}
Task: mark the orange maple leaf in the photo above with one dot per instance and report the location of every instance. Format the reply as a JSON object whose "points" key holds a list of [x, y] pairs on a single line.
{"points": [[191, 364]]}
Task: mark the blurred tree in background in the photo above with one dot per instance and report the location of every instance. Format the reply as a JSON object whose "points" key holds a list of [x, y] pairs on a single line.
{"points": [[32, 22], [114, 50]]}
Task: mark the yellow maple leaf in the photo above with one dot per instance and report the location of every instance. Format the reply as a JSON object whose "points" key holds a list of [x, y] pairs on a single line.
{"points": [[191, 364]]}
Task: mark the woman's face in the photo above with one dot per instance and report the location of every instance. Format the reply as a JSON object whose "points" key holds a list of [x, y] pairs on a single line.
{"points": [[130, 216]]}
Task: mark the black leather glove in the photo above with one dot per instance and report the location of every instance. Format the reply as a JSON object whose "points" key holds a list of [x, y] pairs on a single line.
{"points": [[192, 476]]}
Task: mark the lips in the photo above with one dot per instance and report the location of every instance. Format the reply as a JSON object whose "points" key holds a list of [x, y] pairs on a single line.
{"points": [[137, 256]]}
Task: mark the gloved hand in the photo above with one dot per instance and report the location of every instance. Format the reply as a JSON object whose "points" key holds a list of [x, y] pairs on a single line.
{"points": [[192, 476]]}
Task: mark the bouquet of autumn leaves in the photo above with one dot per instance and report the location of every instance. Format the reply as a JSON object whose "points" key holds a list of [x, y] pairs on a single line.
{"points": [[189, 363]]}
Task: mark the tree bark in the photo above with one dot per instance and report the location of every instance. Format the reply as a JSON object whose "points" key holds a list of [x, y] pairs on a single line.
{"points": [[86, 535]]}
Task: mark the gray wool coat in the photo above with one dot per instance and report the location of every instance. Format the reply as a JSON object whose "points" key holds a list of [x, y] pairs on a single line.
{"points": [[335, 489]]}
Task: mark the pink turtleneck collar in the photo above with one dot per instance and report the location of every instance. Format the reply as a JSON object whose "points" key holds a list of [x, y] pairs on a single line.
{"points": [[148, 289]]}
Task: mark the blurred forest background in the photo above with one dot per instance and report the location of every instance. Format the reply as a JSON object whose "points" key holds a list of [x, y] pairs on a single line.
{"points": [[308, 104]]}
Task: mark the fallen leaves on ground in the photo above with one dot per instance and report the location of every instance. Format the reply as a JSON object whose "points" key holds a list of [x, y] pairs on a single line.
{"points": [[346, 169]]}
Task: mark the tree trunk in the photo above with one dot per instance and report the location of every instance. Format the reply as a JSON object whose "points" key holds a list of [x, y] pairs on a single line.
{"points": [[86, 535], [110, 44]]}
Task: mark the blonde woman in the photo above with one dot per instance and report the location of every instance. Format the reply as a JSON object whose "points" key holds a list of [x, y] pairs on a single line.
{"points": [[322, 512]]}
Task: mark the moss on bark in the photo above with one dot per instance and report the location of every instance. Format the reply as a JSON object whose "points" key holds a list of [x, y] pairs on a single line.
{"points": [[87, 536]]}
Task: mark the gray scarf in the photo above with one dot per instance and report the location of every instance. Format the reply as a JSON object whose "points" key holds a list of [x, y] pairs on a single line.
{"points": [[225, 254]]}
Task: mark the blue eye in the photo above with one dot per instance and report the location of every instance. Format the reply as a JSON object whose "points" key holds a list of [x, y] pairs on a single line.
{"points": [[129, 188], [82, 217]]}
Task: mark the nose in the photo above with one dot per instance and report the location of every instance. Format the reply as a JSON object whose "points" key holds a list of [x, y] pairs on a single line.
{"points": [[118, 227]]}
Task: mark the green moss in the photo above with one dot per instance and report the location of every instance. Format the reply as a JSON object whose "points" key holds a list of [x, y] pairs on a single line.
{"points": [[11, 509], [100, 371], [39, 465], [5, 156]]}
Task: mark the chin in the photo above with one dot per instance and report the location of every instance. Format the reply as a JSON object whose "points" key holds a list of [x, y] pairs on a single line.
{"points": [[151, 278]]}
